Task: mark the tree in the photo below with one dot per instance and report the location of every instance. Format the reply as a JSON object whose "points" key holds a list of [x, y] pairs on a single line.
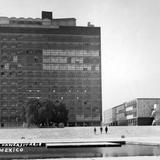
{"points": [[31, 111], [46, 112], [61, 113]]}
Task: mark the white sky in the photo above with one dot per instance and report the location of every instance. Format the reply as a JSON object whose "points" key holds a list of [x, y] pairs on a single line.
{"points": [[130, 35]]}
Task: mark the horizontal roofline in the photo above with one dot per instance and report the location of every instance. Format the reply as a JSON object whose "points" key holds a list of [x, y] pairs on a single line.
{"points": [[147, 98], [30, 18], [74, 30], [64, 18], [133, 100]]}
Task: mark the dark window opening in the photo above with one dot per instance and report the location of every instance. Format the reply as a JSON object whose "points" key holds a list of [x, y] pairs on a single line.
{"points": [[35, 59], [35, 83], [85, 102]]}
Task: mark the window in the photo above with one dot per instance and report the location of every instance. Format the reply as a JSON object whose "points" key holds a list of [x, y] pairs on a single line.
{"points": [[91, 53], [6, 66], [4, 113], [19, 65], [4, 46], [54, 66], [62, 59], [2, 66], [79, 52], [73, 59], [79, 60], [63, 67], [71, 67], [97, 68], [10, 73], [13, 46], [129, 116], [85, 102], [69, 59], [46, 67], [129, 108], [35, 83], [3, 82], [71, 52], [46, 60], [4, 96], [35, 59], [2, 74], [54, 60], [79, 67], [15, 58]]}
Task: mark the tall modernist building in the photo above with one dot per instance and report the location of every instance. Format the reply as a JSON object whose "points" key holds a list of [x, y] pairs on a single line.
{"points": [[50, 59]]}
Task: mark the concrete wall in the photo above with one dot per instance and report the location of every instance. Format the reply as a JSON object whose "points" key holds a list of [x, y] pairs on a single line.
{"points": [[64, 22]]}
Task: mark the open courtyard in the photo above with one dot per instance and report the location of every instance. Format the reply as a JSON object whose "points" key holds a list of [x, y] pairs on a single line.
{"points": [[71, 133], [145, 135]]}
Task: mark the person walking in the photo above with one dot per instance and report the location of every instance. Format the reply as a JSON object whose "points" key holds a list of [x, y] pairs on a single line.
{"points": [[95, 130], [106, 129], [101, 129]]}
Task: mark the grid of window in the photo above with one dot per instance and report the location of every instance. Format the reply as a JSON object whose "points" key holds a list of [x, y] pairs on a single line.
{"points": [[58, 52], [57, 62], [29, 71]]}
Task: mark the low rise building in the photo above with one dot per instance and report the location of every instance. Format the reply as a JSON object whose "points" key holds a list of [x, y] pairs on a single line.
{"points": [[134, 112]]}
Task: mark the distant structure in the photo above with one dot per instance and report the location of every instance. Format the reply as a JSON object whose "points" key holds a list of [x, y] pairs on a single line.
{"points": [[134, 112], [156, 115], [50, 59]]}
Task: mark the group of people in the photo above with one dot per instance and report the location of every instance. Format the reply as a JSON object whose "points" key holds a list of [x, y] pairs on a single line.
{"points": [[101, 130]]}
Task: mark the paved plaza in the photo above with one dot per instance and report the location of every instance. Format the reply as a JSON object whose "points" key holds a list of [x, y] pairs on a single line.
{"points": [[131, 134], [80, 132]]}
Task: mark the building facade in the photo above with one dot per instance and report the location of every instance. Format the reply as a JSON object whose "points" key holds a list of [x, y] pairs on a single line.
{"points": [[120, 114], [134, 112], [107, 117], [50, 59], [115, 116]]}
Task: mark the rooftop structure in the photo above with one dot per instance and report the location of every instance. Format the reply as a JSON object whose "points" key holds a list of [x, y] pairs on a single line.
{"points": [[45, 21]]}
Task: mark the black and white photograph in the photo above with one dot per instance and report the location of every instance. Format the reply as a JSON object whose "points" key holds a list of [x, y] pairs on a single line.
{"points": [[80, 79]]}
